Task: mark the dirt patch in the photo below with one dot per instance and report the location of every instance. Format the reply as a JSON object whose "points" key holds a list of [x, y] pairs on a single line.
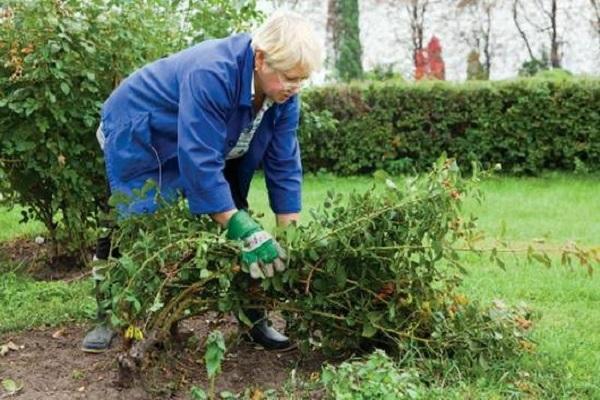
{"points": [[35, 260], [51, 366]]}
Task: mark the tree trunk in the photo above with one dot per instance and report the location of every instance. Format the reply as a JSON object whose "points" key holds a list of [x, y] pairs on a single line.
{"points": [[554, 45], [417, 10], [596, 19]]}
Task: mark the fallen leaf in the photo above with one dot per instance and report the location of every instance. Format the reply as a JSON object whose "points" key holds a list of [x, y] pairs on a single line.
{"points": [[523, 323], [11, 387], [12, 346], [257, 395], [5, 348], [58, 334]]}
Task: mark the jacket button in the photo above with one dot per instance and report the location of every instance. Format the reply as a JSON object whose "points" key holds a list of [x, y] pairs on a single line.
{"points": [[231, 143]]}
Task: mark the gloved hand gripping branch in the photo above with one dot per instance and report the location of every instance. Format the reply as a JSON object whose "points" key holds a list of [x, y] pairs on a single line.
{"points": [[260, 253]]}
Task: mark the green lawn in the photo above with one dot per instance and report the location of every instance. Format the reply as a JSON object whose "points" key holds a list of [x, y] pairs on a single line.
{"points": [[10, 226], [555, 207], [26, 303]]}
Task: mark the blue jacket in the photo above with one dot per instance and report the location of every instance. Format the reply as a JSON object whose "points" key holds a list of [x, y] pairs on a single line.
{"points": [[176, 119]]}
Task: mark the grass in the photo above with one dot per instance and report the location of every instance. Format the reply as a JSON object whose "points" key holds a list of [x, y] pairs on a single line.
{"points": [[9, 221], [25, 303], [554, 207]]}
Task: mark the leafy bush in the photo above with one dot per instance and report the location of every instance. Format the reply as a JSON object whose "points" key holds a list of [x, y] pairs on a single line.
{"points": [[60, 60], [376, 377], [383, 72], [376, 270], [475, 70], [556, 73], [526, 125], [533, 66]]}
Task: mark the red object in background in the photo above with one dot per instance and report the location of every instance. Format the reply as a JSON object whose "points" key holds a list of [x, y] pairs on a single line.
{"points": [[420, 64], [429, 63]]}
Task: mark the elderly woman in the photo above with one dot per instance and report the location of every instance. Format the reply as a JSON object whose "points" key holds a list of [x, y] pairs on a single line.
{"points": [[199, 123]]}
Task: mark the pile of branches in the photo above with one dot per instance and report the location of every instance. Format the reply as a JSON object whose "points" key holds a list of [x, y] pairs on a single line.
{"points": [[377, 269]]}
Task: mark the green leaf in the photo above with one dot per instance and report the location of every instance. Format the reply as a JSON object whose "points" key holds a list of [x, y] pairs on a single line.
{"points": [[157, 305], [215, 352], [380, 175], [277, 282], [542, 258], [11, 387], [65, 88], [205, 273], [198, 394], [244, 318], [340, 276], [368, 330], [128, 265]]}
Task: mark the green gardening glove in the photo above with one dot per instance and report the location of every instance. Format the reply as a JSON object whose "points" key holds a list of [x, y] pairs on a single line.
{"points": [[261, 253]]}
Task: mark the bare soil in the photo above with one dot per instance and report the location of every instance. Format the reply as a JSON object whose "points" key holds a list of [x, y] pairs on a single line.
{"points": [[50, 365], [36, 261]]}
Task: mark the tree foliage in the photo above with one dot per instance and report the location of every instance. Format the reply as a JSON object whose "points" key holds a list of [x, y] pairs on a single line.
{"points": [[429, 63], [347, 47]]}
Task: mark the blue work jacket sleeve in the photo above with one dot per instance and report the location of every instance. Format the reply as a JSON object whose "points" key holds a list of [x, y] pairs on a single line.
{"points": [[282, 166], [205, 101]]}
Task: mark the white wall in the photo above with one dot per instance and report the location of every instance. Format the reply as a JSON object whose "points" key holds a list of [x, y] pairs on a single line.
{"points": [[385, 34]]}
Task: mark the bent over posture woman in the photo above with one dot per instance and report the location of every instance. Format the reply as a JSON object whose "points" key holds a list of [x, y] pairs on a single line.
{"points": [[200, 122]]}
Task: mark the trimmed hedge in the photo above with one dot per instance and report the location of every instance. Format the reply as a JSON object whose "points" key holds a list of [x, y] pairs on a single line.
{"points": [[527, 125]]}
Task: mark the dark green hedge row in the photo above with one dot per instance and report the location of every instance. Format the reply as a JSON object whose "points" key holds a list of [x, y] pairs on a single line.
{"points": [[527, 125]]}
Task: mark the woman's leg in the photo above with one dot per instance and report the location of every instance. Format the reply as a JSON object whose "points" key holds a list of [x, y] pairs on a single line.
{"points": [[261, 332], [99, 338]]}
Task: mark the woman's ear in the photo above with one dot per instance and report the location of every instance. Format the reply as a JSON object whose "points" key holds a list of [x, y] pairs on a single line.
{"points": [[259, 60]]}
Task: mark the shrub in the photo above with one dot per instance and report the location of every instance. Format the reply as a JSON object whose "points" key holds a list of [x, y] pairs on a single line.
{"points": [[556, 73], [376, 377], [60, 60], [526, 125], [534, 65], [383, 72], [376, 270], [475, 70]]}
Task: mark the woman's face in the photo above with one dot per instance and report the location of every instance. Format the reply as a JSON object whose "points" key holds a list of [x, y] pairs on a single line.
{"points": [[279, 86]]}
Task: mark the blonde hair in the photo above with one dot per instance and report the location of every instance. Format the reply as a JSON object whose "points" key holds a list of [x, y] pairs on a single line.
{"points": [[288, 41]]}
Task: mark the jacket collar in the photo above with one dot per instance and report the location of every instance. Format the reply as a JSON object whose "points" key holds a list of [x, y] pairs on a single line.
{"points": [[247, 77]]}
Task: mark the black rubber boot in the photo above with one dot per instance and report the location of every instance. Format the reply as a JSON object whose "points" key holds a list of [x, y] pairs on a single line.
{"points": [[103, 249], [263, 333], [98, 340]]}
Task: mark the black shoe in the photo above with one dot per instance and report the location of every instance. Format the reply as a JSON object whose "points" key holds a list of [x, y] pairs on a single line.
{"points": [[264, 334], [98, 339], [103, 245]]}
